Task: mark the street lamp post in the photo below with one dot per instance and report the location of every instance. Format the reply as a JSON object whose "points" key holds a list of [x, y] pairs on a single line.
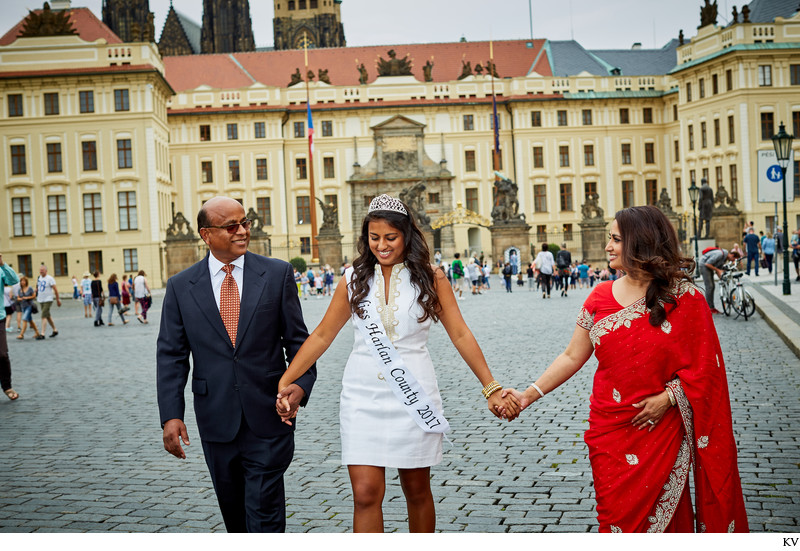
{"points": [[694, 195], [783, 151]]}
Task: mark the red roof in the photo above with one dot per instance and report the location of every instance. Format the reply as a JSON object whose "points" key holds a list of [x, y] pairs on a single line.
{"points": [[214, 70], [88, 27], [275, 68]]}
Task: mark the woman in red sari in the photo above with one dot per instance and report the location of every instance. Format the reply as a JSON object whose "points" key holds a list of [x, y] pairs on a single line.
{"points": [[659, 405]]}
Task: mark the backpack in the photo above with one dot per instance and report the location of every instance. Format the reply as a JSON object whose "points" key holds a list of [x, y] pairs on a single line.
{"points": [[707, 249], [458, 268], [563, 259]]}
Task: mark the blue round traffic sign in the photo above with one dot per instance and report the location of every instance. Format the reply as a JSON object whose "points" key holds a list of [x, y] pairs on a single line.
{"points": [[774, 173]]}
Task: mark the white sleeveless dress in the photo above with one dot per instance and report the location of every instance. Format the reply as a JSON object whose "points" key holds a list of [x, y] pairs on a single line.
{"points": [[376, 429]]}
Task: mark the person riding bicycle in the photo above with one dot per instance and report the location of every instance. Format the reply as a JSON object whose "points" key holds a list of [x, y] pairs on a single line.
{"points": [[712, 261]]}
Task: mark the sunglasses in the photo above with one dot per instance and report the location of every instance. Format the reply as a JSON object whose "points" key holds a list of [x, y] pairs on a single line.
{"points": [[233, 228]]}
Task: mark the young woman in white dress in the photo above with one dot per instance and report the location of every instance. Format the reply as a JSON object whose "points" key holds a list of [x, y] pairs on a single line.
{"points": [[378, 429]]}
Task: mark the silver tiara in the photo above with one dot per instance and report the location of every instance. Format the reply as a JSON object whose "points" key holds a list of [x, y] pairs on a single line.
{"points": [[385, 202]]}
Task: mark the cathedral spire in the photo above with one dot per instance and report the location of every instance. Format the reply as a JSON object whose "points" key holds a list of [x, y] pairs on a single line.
{"points": [[313, 23], [226, 27]]}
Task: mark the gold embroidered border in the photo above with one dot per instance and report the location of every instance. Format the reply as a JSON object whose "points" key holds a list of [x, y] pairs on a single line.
{"points": [[617, 320], [585, 319], [387, 308], [679, 476], [624, 317], [673, 489]]}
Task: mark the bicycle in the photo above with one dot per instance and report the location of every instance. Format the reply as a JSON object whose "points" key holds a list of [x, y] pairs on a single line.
{"points": [[726, 286], [740, 298]]}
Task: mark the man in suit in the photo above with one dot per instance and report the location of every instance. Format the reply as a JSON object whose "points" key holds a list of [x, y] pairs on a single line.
{"points": [[238, 315]]}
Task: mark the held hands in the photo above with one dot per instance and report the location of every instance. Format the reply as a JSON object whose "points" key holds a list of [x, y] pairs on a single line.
{"points": [[522, 398], [504, 406], [288, 401], [653, 409]]}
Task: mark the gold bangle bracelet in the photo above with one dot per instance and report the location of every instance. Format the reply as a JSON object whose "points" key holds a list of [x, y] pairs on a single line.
{"points": [[671, 396], [490, 389]]}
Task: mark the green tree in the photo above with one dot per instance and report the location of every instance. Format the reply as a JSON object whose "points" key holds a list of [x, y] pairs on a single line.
{"points": [[299, 263]]}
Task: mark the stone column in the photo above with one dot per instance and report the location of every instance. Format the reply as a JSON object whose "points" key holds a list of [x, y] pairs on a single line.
{"points": [[726, 228], [181, 254], [182, 246], [509, 235], [427, 232], [260, 244], [593, 241], [330, 249]]}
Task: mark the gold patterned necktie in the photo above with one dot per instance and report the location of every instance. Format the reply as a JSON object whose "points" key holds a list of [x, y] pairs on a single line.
{"points": [[229, 303]]}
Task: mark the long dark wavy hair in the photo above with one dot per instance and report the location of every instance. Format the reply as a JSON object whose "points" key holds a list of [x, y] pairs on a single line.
{"points": [[650, 250], [417, 259]]}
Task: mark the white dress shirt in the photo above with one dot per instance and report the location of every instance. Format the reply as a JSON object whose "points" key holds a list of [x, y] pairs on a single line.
{"points": [[218, 275]]}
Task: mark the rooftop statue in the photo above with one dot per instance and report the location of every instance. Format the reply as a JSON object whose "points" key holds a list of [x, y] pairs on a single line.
{"points": [[427, 70], [708, 14], [362, 74], [491, 69], [393, 67], [297, 78], [466, 69], [47, 23]]}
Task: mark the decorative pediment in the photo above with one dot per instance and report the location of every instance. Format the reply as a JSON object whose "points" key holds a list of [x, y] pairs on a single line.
{"points": [[398, 122]]}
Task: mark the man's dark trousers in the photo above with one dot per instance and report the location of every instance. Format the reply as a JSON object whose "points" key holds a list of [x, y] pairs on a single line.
{"points": [[259, 505]]}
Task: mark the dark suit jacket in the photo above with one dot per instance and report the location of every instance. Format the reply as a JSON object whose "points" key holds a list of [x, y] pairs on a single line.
{"points": [[226, 381]]}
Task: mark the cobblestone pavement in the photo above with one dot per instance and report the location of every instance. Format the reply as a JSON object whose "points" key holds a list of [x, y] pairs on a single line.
{"points": [[81, 449]]}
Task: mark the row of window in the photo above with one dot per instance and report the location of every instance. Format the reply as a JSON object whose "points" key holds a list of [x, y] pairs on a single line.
{"points": [[704, 134], [52, 106], [130, 258], [701, 84], [767, 130], [22, 215], [768, 125], [764, 79], [469, 124], [234, 173], [588, 155], [259, 130], [562, 118], [19, 164]]}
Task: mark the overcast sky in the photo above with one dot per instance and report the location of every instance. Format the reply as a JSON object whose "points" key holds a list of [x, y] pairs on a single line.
{"points": [[596, 24]]}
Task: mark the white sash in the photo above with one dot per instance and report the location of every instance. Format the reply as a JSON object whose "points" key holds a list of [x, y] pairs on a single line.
{"points": [[404, 385]]}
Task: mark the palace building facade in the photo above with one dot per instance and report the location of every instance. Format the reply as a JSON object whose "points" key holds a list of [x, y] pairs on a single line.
{"points": [[101, 187]]}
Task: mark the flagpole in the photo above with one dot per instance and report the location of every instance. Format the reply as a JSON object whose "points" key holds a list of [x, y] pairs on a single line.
{"points": [[312, 193], [496, 152], [496, 155]]}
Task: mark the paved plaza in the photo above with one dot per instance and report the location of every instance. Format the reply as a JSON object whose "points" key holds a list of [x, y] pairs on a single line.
{"points": [[81, 449]]}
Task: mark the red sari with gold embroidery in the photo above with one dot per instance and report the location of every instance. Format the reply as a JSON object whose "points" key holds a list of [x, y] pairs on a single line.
{"points": [[641, 477]]}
